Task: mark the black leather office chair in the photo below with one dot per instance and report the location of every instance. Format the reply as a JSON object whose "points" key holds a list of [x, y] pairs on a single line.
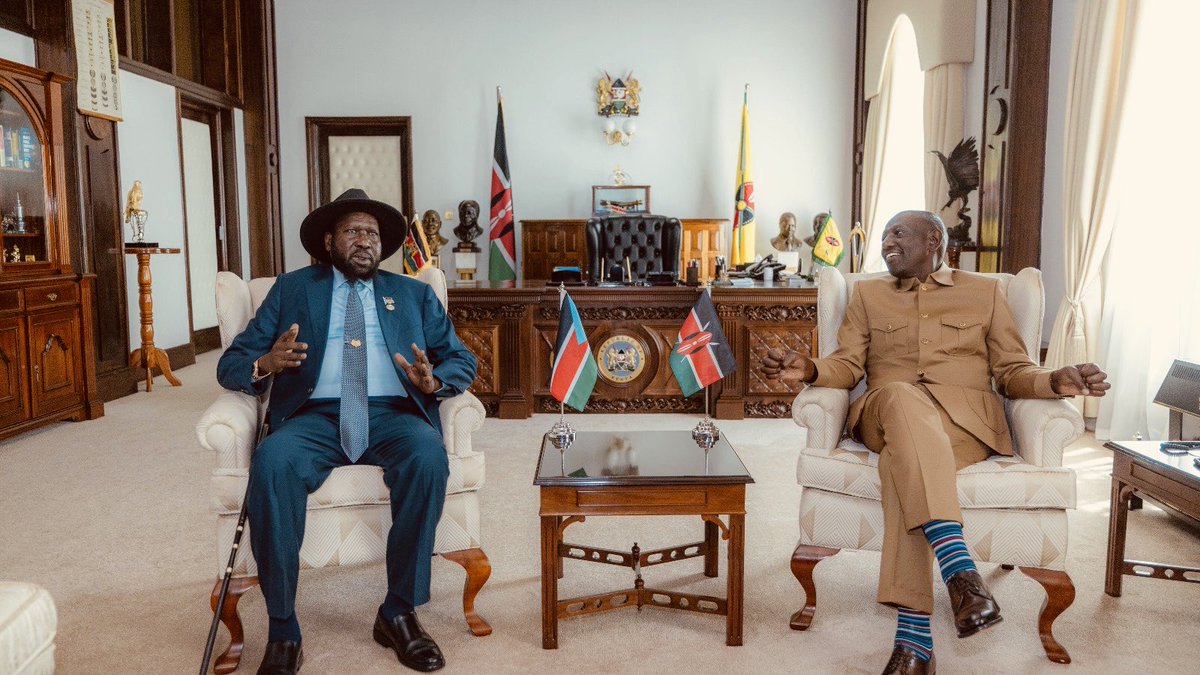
{"points": [[651, 243]]}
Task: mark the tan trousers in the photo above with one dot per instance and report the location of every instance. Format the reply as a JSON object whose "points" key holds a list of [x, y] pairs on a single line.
{"points": [[920, 449]]}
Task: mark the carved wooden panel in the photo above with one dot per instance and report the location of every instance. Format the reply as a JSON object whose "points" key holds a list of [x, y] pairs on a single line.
{"points": [[57, 370], [547, 243], [484, 343], [763, 338], [12, 371]]}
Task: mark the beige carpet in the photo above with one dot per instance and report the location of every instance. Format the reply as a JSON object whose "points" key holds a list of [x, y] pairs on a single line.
{"points": [[112, 517]]}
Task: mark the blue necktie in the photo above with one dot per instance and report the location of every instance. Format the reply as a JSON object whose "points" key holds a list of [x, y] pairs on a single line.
{"points": [[353, 413]]}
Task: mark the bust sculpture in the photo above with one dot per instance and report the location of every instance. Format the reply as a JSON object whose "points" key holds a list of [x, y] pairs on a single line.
{"points": [[787, 239], [818, 221], [431, 223], [468, 221]]}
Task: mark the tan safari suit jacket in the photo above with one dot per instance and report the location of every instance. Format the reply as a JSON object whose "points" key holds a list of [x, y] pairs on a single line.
{"points": [[953, 334]]}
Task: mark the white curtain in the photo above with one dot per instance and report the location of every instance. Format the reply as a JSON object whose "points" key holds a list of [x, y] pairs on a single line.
{"points": [[1096, 92], [893, 166], [1150, 289], [874, 142], [943, 117]]}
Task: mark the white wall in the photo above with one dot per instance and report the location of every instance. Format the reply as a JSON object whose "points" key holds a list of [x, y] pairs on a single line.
{"points": [[17, 47], [149, 147], [440, 62]]}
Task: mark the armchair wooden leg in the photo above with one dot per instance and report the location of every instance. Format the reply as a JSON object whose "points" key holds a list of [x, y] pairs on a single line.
{"points": [[1060, 593], [228, 661], [804, 559], [478, 568]]}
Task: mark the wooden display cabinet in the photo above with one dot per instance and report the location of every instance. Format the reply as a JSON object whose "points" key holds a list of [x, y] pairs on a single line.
{"points": [[47, 361]]}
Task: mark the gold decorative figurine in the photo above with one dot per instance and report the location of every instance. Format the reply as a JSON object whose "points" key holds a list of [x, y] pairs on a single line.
{"points": [[135, 216]]}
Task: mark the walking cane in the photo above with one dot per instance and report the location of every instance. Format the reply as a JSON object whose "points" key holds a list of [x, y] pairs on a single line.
{"points": [[237, 541]]}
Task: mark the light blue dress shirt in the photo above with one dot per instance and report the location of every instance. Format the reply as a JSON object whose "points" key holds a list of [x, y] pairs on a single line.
{"points": [[382, 378]]}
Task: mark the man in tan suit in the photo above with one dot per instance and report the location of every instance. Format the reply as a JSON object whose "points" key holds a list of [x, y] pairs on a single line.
{"points": [[931, 342]]}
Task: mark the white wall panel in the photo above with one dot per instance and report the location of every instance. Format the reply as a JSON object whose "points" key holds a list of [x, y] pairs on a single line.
{"points": [[440, 62], [17, 47], [149, 151]]}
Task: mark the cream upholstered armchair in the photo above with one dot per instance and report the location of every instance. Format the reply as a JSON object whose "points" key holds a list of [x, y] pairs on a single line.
{"points": [[349, 516], [1014, 508]]}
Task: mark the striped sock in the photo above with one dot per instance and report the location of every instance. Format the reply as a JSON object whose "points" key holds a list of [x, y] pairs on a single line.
{"points": [[946, 539], [912, 631]]}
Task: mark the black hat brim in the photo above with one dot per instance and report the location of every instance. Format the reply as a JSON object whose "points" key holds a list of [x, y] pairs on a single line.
{"points": [[393, 226]]}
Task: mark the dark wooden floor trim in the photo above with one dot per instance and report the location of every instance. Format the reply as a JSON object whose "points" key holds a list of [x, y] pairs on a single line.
{"points": [[206, 340]]}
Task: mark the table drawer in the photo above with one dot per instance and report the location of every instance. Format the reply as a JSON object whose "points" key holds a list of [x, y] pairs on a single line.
{"points": [[51, 295], [10, 300]]}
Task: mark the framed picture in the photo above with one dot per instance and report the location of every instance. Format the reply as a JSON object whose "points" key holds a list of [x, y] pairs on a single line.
{"points": [[617, 199]]}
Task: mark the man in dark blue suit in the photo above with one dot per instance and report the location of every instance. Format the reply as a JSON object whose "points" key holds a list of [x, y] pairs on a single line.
{"points": [[332, 337]]}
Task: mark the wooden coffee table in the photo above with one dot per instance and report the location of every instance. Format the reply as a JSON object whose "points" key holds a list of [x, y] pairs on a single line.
{"points": [[1169, 480], [641, 473]]}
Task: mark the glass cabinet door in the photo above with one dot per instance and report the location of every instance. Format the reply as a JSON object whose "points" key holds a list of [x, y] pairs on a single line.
{"points": [[22, 189]]}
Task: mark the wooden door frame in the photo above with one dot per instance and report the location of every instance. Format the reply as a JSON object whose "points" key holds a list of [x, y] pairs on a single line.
{"points": [[317, 131], [225, 181]]}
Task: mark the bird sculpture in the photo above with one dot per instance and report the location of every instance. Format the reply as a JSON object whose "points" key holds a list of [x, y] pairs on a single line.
{"points": [[962, 173]]}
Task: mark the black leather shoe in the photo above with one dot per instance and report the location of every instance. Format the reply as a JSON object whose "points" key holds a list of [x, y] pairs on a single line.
{"points": [[412, 644], [283, 657], [973, 605], [905, 661]]}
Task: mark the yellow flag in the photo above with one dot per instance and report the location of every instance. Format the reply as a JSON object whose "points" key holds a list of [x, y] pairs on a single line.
{"points": [[828, 248], [741, 250]]}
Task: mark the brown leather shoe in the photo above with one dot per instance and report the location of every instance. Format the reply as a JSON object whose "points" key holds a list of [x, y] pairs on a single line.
{"points": [[283, 657], [973, 605], [905, 661], [408, 639]]}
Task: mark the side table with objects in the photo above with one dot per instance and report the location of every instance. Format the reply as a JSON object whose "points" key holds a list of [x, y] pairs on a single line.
{"points": [[641, 473], [1164, 472]]}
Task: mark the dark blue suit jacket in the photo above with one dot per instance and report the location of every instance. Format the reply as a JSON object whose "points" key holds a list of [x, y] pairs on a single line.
{"points": [[304, 297]]}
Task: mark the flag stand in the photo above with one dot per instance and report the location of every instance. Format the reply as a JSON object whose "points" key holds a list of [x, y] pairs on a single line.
{"points": [[706, 434], [562, 435]]}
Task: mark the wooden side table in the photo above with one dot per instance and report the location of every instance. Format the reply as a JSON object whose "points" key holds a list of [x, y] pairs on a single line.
{"points": [[148, 356], [1169, 480]]}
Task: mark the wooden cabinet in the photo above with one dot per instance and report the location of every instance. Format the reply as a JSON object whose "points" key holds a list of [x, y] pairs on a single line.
{"points": [[47, 363]]}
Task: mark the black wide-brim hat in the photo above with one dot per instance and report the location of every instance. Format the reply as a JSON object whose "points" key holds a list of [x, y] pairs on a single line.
{"points": [[393, 227]]}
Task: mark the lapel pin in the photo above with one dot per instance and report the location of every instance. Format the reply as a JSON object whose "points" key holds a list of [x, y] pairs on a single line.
{"points": [[389, 304]]}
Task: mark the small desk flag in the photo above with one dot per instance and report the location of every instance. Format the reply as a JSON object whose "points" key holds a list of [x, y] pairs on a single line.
{"points": [[415, 248], [574, 373], [701, 354], [828, 247]]}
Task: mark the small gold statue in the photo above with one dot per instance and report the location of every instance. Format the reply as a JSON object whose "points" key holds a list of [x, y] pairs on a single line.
{"points": [[135, 216]]}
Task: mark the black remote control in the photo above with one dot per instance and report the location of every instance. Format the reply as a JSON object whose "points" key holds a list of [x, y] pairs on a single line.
{"points": [[1178, 447]]}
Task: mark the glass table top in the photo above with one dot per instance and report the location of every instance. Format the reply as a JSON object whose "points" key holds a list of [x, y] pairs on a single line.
{"points": [[1151, 450], [599, 458]]}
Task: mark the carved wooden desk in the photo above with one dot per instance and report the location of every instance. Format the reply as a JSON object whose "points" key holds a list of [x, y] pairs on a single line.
{"points": [[642, 473], [512, 332], [148, 356], [1170, 480]]}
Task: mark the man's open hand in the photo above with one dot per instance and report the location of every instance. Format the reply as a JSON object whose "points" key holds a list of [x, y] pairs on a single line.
{"points": [[1085, 379], [420, 371], [787, 365], [285, 353]]}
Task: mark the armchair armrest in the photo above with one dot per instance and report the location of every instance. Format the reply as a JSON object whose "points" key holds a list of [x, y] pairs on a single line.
{"points": [[461, 416], [822, 412], [228, 427], [1043, 428]]}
